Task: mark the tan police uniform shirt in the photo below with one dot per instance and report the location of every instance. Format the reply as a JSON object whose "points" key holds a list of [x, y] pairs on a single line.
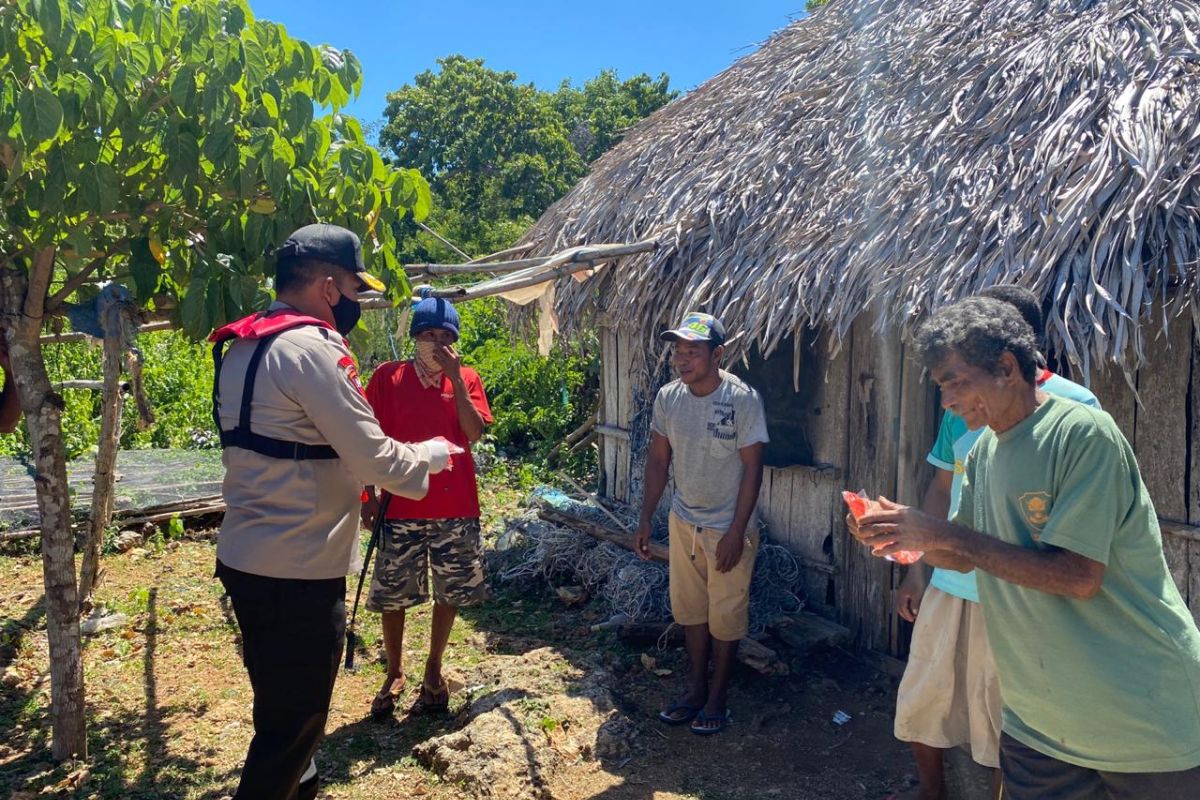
{"points": [[300, 519]]}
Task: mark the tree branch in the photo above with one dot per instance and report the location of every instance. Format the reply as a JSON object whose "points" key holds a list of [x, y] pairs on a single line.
{"points": [[39, 284], [81, 277]]}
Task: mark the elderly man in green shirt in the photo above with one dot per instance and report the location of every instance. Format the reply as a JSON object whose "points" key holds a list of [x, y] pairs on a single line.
{"points": [[1097, 655]]}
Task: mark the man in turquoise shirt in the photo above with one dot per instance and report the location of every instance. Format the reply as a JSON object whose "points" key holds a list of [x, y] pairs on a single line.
{"points": [[1097, 655], [949, 695]]}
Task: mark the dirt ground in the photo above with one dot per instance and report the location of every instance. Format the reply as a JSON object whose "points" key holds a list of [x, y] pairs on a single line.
{"points": [[568, 712]]}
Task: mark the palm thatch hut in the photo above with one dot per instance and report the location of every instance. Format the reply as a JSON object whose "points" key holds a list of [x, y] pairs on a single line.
{"points": [[873, 162]]}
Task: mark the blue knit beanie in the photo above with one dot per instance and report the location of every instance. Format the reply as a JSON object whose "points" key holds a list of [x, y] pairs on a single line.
{"points": [[433, 312]]}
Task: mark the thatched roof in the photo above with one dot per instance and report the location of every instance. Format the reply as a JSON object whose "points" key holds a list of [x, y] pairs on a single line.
{"points": [[902, 154]]}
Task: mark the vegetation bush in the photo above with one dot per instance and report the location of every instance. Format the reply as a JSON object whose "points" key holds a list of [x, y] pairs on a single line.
{"points": [[536, 401]]}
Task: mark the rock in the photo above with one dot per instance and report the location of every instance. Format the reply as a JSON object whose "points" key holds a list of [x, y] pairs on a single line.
{"points": [[614, 737], [129, 539], [98, 623], [571, 595], [11, 678], [545, 712]]}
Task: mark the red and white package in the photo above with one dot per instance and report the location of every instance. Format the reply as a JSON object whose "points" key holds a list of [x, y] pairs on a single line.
{"points": [[860, 504]]}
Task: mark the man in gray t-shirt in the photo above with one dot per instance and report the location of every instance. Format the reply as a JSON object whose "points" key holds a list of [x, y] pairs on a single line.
{"points": [[708, 427]]}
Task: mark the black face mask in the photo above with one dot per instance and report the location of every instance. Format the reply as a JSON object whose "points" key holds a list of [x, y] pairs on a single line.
{"points": [[346, 313]]}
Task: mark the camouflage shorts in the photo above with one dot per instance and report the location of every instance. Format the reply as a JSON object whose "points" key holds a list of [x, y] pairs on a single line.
{"points": [[408, 548]]}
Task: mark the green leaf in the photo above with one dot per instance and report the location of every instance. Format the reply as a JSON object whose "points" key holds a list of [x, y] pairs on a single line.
{"points": [[316, 141], [227, 56], [183, 156], [297, 113], [144, 267], [40, 115], [257, 70], [183, 88], [137, 61], [79, 241], [192, 312], [270, 104], [235, 20], [99, 188], [218, 142], [104, 52], [50, 18]]}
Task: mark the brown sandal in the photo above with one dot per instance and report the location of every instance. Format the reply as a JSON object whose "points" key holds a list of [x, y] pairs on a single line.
{"points": [[384, 704], [433, 700]]}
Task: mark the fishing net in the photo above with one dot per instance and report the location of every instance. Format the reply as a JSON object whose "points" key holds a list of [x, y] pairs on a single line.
{"points": [[145, 479], [532, 549]]}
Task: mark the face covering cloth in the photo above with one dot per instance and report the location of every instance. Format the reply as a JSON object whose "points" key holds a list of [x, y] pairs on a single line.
{"points": [[428, 370]]}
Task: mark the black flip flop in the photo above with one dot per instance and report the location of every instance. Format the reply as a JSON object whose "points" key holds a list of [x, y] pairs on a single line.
{"points": [[722, 721], [668, 716]]}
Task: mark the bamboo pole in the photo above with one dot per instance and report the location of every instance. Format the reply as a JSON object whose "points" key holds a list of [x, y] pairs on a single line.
{"points": [[511, 251], [63, 338], [565, 263], [442, 239]]}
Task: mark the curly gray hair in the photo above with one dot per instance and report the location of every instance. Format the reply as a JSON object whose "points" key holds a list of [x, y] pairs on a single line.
{"points": [[980, 330]]}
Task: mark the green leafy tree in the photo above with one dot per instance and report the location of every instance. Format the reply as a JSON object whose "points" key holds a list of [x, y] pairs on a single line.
{"points": [[169, 145], [813, 5], [498, 152], [493, 149], [599, 113]]}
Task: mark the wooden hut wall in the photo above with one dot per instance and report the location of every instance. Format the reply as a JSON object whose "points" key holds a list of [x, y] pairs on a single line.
{"points": [[875, 418], [616, 411], [1164, 431]]}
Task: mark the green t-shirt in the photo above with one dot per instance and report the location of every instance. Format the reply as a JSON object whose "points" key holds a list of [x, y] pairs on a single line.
{"points": [[1111, 683]]}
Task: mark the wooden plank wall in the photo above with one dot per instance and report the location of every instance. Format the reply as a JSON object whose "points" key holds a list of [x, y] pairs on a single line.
{"points": [[616, 364], [1165, 436], [863, 590], [801, 504]]}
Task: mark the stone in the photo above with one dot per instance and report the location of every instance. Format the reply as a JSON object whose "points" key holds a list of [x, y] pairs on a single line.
{"points": [[544, 712], [128, 539]]}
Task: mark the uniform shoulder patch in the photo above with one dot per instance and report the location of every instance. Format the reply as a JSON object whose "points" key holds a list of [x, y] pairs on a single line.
{"points": [[350, 373]]}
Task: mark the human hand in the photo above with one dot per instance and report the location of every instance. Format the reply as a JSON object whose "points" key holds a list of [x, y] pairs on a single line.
{"points": [[440, 451], [450, 362], [910, 594], [889, 528], [729, 549], [370, 510], [641, 541]]}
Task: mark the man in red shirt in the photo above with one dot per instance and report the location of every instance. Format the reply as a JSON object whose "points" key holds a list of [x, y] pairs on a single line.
{"points": [[429, 396]]}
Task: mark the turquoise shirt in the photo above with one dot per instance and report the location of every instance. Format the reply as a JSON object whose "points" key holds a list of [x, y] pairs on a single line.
{"points": [[1110, 683], [954, 442]]}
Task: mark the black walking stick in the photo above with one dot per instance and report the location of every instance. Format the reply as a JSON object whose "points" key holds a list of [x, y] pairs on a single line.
{"points": [[376, 532]]}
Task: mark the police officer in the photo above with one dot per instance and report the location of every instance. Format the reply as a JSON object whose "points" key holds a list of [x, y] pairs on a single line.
{"points": [[299, 440]]}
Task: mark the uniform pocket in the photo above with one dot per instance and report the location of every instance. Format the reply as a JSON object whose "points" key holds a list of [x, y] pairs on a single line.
{"points": [[722, 441]]}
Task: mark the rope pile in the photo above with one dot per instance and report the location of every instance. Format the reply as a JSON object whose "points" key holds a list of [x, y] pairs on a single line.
{"points": [[532, 549]]}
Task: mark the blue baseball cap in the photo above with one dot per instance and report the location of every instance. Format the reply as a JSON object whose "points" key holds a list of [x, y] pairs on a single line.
{"points": [[696, 326], [433, 312]]}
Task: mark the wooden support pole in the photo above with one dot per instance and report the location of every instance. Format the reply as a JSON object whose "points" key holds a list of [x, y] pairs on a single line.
{"points": [[105, 475], [658, 552], [63, 338]]}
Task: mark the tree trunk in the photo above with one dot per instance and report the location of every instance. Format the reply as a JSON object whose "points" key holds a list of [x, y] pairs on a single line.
{"points": [[23, 303], [106, 456]]}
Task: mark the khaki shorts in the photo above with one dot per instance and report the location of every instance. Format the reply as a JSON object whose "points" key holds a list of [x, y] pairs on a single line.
{"points": [[700, 594], [408, 548], [949, 695]]}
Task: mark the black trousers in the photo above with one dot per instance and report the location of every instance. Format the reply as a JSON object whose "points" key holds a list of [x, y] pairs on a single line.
{"points": [[1030, 775], [293, 632]]}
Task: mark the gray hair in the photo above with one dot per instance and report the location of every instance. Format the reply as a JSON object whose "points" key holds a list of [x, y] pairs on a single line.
{"points": [[980, 330]]}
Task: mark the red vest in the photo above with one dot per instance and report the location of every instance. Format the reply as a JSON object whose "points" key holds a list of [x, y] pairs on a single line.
{"points": [[264, 324]]}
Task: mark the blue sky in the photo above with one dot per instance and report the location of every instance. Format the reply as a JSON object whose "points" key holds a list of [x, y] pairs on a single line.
{"points": [[542, 42]]}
